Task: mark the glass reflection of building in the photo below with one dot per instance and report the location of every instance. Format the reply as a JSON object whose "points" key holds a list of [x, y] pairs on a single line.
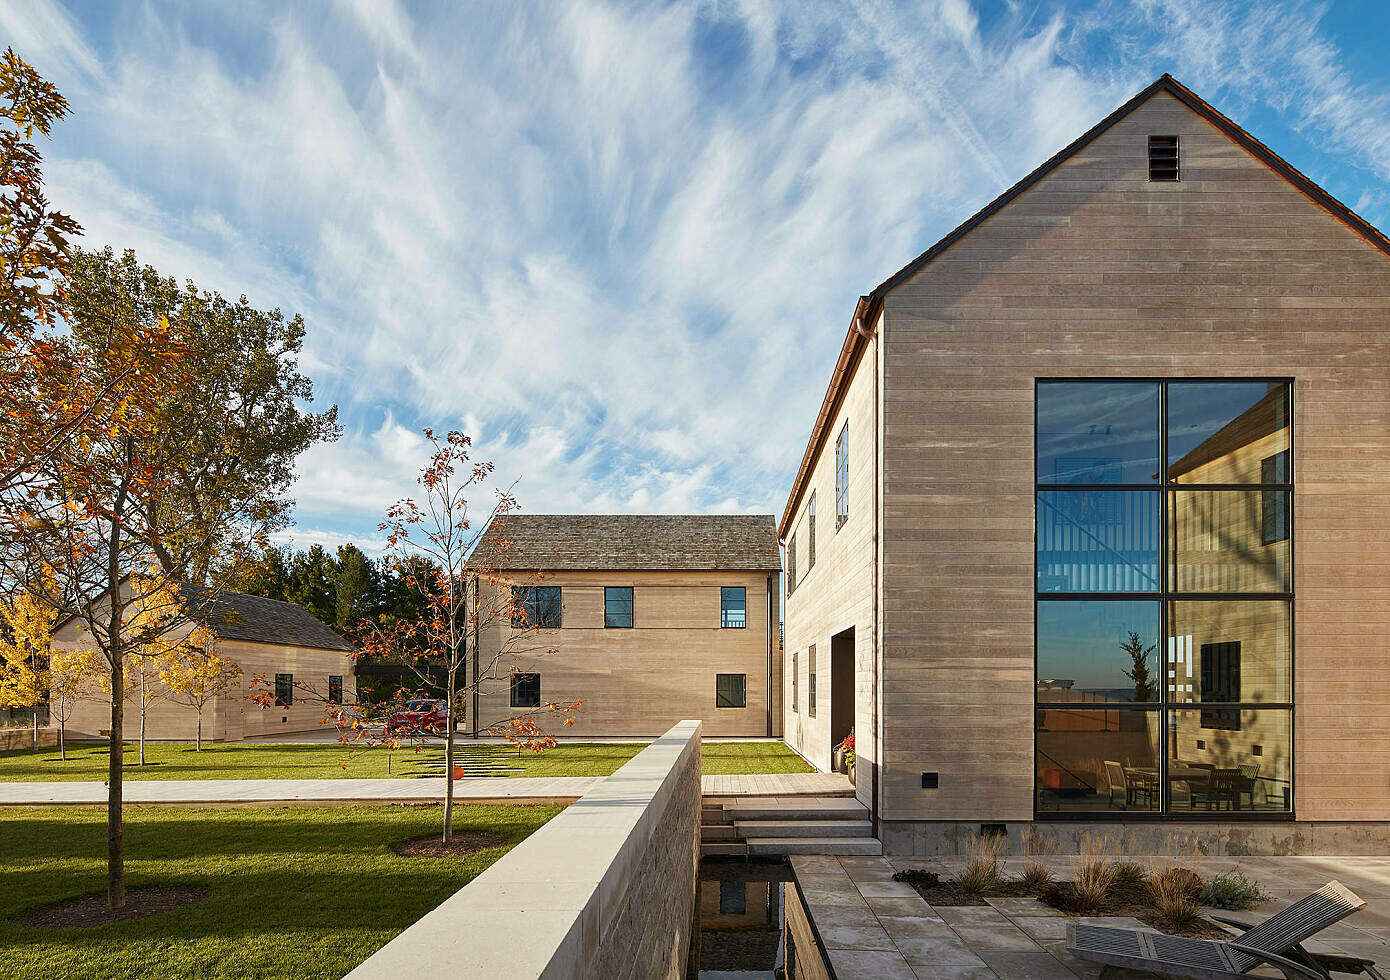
{"points": [[1164, 597]]}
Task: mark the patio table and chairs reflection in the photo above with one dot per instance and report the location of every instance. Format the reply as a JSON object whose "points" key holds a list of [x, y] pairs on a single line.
{"points": [[1192, 785]]}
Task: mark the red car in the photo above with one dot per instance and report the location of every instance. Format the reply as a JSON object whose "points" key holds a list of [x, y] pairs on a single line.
{"points": [[424, 715]]}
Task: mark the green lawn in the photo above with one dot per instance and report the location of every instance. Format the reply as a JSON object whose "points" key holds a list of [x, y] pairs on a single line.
{"points": [[265, 761], [303, 892]]}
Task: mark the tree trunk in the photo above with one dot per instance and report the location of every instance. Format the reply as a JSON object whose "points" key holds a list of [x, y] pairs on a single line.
{"points": [[62, 744], [200, 731], [142, 714], [115, 827], [115, 843], [449, 762], [36, 728]]}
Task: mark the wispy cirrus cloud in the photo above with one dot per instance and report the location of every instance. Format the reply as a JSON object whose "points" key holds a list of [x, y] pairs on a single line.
{"points": [[617, 244]]}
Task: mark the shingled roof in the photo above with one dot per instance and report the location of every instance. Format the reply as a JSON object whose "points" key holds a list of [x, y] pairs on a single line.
{"points": [[236, 616], [659, 542]]}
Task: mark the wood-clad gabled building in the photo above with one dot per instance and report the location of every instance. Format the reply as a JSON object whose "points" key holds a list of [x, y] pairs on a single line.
{"points": [[647, 620], [1093, 521], [282, 649]]}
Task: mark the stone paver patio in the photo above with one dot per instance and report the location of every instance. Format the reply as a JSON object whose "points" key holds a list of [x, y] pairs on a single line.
{"points": [[874, 927]]}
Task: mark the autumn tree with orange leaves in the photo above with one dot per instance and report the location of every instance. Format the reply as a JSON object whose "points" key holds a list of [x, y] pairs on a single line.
{"points": [[135, 522], [436, 545]]}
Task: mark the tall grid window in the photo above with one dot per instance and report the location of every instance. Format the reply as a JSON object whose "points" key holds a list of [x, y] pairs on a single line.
{"points": [[794, 682], [791, 561], [1164, 598], [842, 476], [811, 532], [811, 681]]}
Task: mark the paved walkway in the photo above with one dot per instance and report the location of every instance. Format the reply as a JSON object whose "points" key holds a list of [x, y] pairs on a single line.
{"points": [[515, 789], [874, 927]]}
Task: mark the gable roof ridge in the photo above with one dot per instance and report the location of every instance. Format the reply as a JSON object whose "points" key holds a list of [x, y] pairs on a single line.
{"points": [[1164, 83], [867, 305]]}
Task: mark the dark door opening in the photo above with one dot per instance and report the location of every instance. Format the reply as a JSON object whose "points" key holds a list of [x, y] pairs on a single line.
{"points": [[841, 686]]}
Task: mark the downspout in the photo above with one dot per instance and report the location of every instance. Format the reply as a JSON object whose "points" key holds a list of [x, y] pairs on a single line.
{"points": [[869, 333], [771, 626]]}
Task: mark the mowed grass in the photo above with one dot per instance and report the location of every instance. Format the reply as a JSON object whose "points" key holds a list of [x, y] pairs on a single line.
{"points": [[292, 891], [175, 760]]}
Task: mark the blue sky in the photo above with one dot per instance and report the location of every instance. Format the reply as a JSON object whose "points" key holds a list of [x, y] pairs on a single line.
{"points": [[620, 244]]}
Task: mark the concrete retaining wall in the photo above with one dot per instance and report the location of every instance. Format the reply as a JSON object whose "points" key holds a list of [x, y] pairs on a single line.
{"points": [[606, 889], [23, 738]]}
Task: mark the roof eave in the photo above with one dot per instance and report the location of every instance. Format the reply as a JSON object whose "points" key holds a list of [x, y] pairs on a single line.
{"points": [[871, 305]]}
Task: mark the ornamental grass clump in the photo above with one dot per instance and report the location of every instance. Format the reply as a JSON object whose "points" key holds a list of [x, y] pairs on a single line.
{"points": [[1232, 890], [1174, 891], [1036, 873], [1095, 874], [1130, 875], [982, 873]]}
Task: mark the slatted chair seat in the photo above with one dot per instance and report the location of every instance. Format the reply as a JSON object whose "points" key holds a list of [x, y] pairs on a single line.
{"points": [[1277, 941]]}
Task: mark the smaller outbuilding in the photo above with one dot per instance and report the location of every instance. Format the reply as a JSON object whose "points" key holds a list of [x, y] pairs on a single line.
{"points": [[279, 641]]}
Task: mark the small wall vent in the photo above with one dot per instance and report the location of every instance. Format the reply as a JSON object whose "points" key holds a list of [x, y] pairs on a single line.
{"points": [[1163, 158]]}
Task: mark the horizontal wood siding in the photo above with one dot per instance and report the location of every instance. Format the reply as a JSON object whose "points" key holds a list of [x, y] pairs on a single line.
{"points": [[837, 593], [641, 681], [1094, 271]]}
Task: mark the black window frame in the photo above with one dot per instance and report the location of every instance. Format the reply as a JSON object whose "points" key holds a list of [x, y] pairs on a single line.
{"points": [[630, 602], [791, 561], [795, 678], [725, 622], [517, 680], [335, 688], [842, 477], [811, 533], [742, 691], [1168, 707], [811, 681], [527, 600], [284, 690]]}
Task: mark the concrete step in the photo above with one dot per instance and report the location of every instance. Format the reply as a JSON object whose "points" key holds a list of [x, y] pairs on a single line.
{"points": [[710, 815], [814, 845], [804, 828], [729, 848], [810, 808], [719, 832]]}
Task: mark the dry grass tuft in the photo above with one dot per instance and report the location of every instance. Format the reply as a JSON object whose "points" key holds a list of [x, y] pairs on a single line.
{"points": [[1174, 892], [1036, 873], [1130, 874], [1094, 875], [982, 873]]}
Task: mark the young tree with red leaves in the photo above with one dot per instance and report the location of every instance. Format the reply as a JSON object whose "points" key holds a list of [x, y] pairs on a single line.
{"points": [[436, 546]]}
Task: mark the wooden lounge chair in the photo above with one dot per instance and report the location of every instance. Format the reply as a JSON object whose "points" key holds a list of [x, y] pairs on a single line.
{"points": [[1277, 942]]}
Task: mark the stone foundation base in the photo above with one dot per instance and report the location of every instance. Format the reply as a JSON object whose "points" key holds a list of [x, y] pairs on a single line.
{"points": [[939, 838]]}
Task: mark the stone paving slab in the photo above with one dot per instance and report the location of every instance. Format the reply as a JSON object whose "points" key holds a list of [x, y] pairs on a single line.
{"points": [[1024, 939]]}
